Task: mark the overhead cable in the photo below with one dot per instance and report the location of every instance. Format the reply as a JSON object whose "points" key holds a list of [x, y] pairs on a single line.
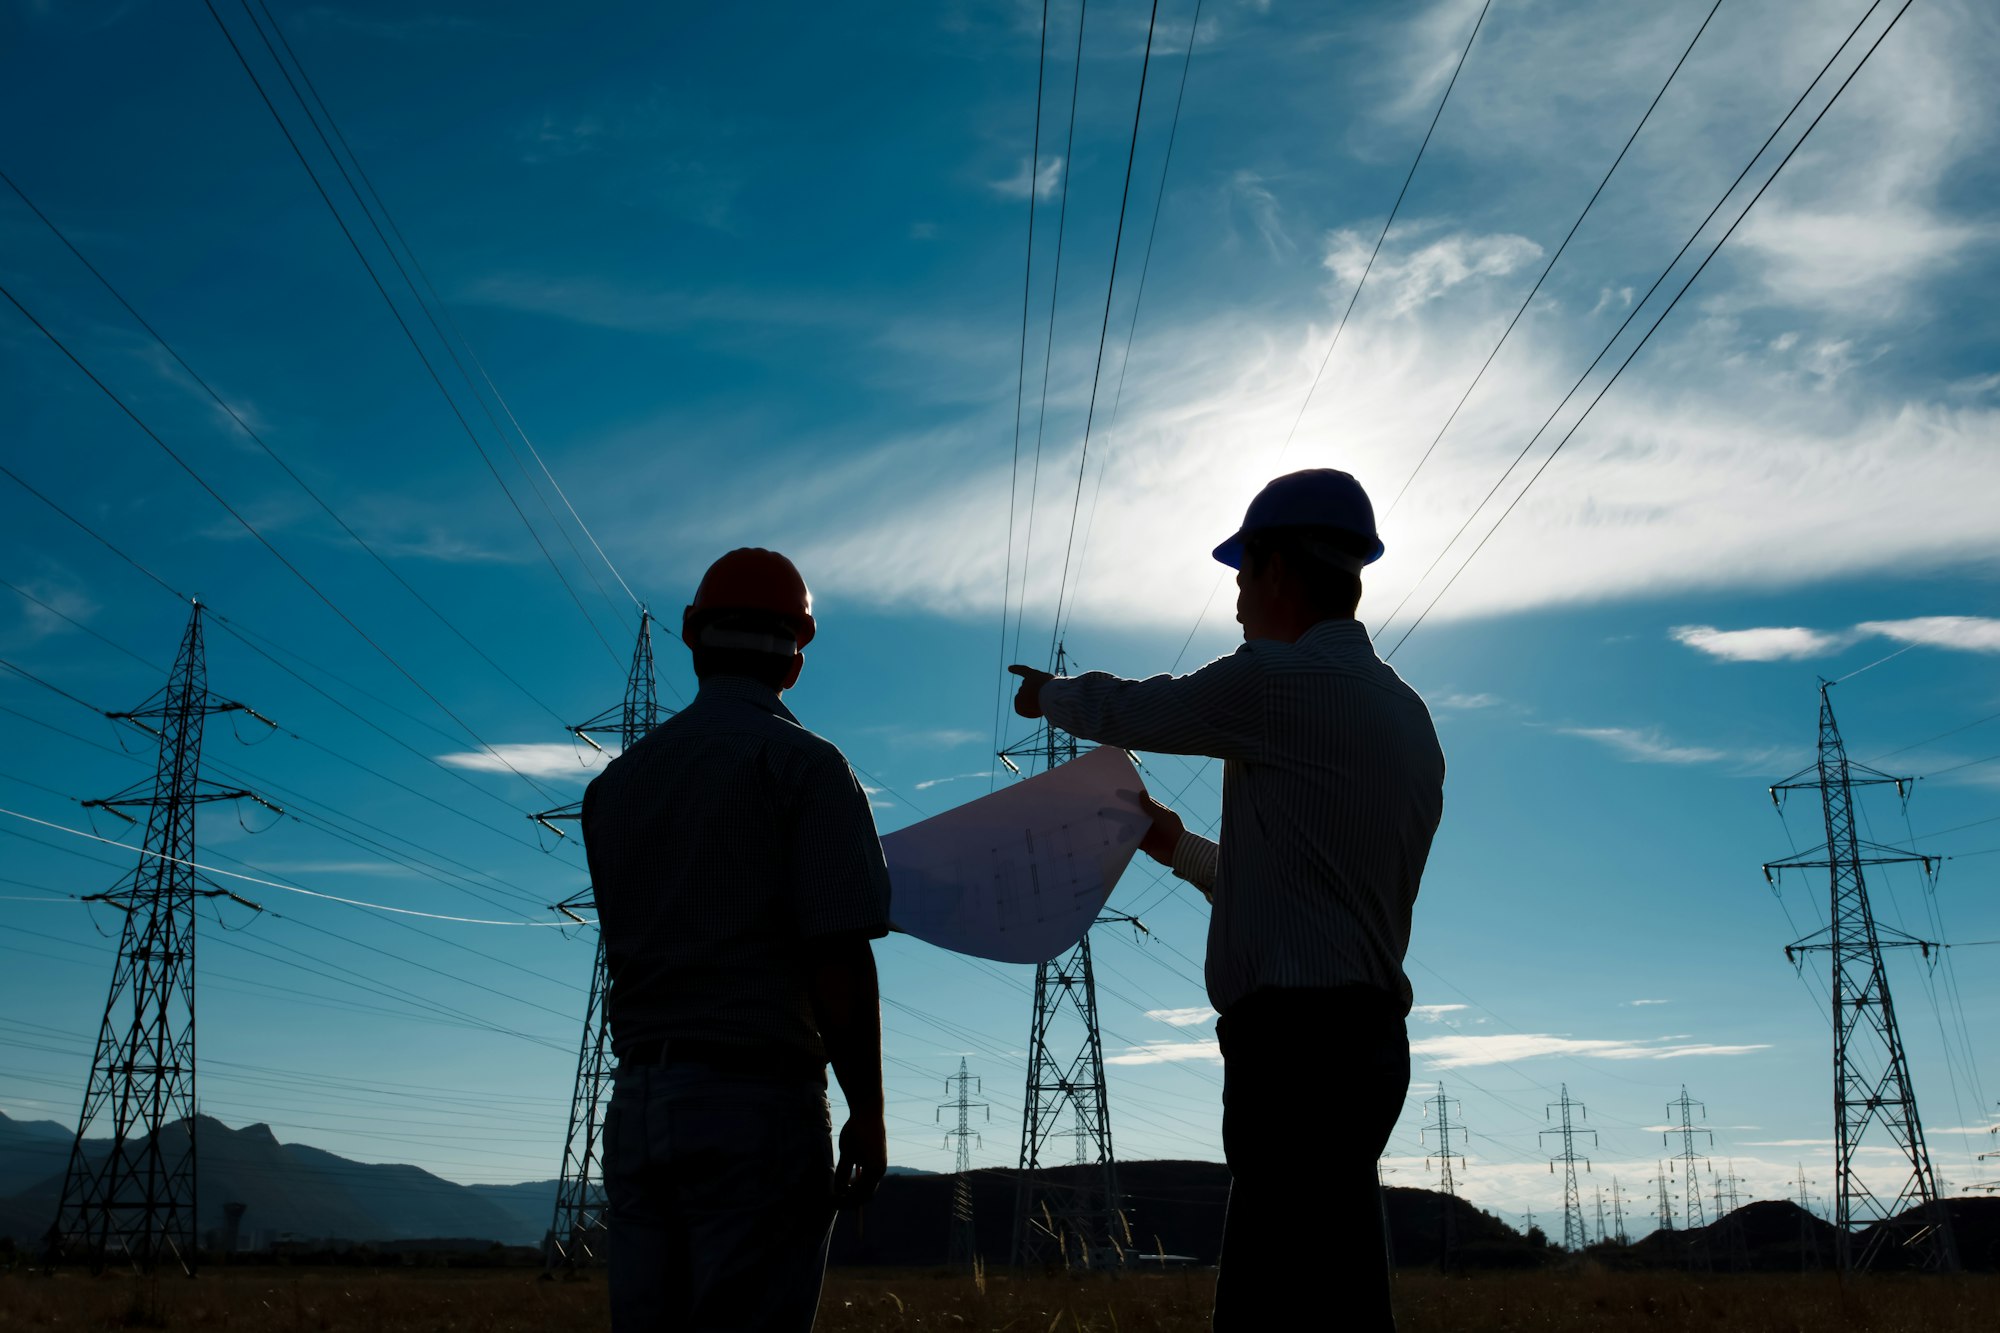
{"points": [[1104, 327], [1654, 327], [1549, 267], [408, 333]]}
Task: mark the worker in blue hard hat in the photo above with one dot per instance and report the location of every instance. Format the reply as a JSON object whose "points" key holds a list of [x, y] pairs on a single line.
{"points": [[1332, 787], [738, 882]]}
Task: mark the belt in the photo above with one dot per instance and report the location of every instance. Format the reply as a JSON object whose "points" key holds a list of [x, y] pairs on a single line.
{"points": [[724, 1058]]}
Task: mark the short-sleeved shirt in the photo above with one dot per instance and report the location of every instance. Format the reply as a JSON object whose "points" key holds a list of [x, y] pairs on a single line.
{"points": [[1332, 788], [720, 845]]}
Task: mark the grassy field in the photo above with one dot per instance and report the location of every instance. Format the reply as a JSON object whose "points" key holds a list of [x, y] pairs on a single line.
{"points": [[334, 1301]]}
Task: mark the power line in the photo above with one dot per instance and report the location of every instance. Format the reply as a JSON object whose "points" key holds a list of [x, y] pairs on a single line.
{"points": [[1647, 336], [252, 529], [1548, 268], [1145, 267], [264, 445], [1104, 326], [1049, 343], [444, 309], [395, 312]]}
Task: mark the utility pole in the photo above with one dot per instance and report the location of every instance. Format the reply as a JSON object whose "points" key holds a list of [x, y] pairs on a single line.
{"points": [[1871, 1075], [1690, 1172], [1618, 1214], [1575, 1235], [576, 1232], [961, 1247], [1439, 1106], [1046, 1216], [135, 1197]]}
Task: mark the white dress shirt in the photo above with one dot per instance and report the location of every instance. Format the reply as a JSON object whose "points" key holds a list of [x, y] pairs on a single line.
{"points": [[1332, 787]]}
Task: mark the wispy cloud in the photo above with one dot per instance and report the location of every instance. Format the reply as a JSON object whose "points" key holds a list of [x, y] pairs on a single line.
{"points": [[1167, 1052], [1646, 747], [1466, 1050], [1016, 185], [1970, 634], [928, 783], [1182, 1018], [1635, 1004], [1417, 276], [1435, 1013], [539, 759], [1463, 702]]}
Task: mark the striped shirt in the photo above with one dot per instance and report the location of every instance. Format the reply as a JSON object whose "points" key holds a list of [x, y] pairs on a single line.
{"points": [[1332, 787], [718, 846]]}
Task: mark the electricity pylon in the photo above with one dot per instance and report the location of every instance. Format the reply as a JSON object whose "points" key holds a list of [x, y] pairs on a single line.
{"points": [[1871, 1076], [1689, 1172], [1808, 1241], [136, 1195], [1618, 1214], [1666, 1200], [580, 1215], [1440, 1106], [961, 1246], [1600, 1215], [1728, 1198], [1575, 1235], [1049, 1219]]}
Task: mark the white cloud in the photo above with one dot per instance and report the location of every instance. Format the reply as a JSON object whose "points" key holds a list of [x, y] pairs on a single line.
{"points": [[1634, 1004], [1646, 747], [1766, 644], [540, 759], [1167, 1052], [1468, 1050], [1972, 634], [1411, 278], [1466, 702], [928, 783], [1434, 1013], [1016, 186], [1182, 1018]]}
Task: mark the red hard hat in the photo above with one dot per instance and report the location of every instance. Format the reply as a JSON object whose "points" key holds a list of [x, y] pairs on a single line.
{"points": [[751, 578]]}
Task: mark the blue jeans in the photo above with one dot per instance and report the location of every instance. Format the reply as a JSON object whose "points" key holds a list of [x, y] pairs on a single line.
{"points": [[721, 1199]]}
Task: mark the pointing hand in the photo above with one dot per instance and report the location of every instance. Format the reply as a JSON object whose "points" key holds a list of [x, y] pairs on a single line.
{"points": [[1028, 699]]}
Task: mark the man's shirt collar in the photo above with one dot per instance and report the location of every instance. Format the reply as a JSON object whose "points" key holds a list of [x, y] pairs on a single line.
{"points": [[742, 689]]}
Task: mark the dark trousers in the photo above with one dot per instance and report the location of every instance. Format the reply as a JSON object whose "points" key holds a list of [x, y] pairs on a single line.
{"points": [[720, 1188], [1313, 1081]]}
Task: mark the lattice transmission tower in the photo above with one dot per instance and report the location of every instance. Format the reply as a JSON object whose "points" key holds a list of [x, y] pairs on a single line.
{"points": [[1438, 1110], [580, 1219], [135, 1196], [1666, 1200], [1082, 1224], [1575, 1236], [1871, 1075], [962, 1244], [1689, 1170], [1729, 1198], [1618, 1214]]}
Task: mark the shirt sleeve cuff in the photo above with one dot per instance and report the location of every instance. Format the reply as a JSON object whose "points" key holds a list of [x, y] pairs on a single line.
{"points": [[1054, 693], [1195, 860]]}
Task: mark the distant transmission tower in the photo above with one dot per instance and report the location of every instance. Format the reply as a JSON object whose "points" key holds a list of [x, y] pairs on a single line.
{"points": [[1618, 1214], [1808, 1239], [1690, 1171], [1575, 1235], [1729, 1198], [962, 1247], [1666, 1200], [1871, 1076], [1600, 1215], [1049, 1220], [1438, 1108], [580, 1216], [135, 1195]]}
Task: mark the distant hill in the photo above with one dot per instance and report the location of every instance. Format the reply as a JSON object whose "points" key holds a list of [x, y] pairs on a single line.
{"points": [[29, 1151]]}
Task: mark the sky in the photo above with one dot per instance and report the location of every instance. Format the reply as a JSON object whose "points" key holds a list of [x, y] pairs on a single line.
{"points": [[751, 279]]}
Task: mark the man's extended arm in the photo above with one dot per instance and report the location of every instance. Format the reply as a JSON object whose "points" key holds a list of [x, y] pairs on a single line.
{"points": [[847, 1007], [1167, 840], [1217, 711]]}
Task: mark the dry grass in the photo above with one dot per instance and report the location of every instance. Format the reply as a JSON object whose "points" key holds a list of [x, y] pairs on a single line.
{"points": [[338, 1300]]}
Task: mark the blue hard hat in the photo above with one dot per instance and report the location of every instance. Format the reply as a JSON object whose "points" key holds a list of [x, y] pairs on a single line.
{"points": [[1319, 497]]}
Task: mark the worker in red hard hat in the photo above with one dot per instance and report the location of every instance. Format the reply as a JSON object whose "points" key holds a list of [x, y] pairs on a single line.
{"points": [[1332, 788], [738, 880]]}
